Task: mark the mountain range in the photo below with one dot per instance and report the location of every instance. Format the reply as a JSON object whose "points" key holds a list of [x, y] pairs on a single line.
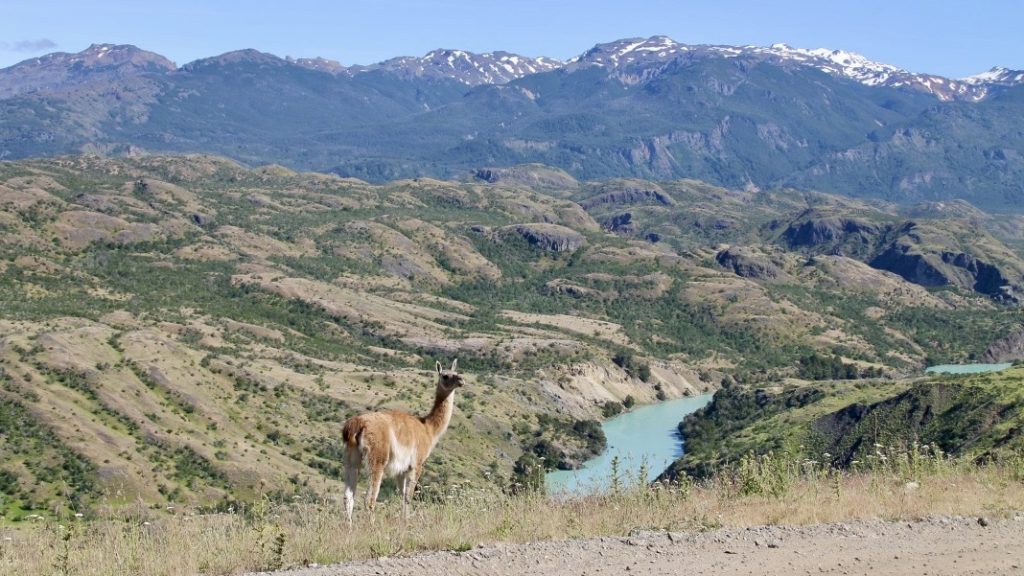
{"points": [[748, 117]]}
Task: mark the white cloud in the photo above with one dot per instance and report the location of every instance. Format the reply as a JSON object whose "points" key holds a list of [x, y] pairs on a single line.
{"points": [[28, 45]]}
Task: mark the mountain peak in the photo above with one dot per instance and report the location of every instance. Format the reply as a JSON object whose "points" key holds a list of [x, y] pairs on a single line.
{"points": [[62, 70], [245, 55], [100, 55], [630, 51], [319, 64], [997, 75], [467, 67]]}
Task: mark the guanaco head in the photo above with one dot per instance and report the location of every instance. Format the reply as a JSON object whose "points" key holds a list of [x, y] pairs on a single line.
{"points": [[448, 380]]}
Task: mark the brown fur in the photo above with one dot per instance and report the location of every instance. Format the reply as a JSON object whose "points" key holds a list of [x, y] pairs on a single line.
{"points": [[368, 440], [351, 431]]}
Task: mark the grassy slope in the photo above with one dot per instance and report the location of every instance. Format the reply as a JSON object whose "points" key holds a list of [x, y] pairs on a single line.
{"points": [[977, 417], [268, 536]]}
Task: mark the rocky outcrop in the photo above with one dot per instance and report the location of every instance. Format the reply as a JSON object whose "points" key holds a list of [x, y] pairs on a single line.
{"points": [[713, 225], [532, 175], [847, 235], [490, 175], [928, 253], [1009, 349], [946, 269], [549, 237], [621, 223], [563, 286], [747, 263], [988, 279], [912, 265], [628, 196], [77, 229]]}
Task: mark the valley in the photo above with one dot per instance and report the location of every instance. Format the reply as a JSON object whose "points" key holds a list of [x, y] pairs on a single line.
{"points": [[183, 330], [708, 288]]}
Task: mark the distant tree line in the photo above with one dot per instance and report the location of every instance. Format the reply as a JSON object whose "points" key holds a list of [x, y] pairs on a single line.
{"points": [[822, 367]]}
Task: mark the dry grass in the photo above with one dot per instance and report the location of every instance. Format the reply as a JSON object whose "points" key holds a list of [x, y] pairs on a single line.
{"points": [[268, 536]]}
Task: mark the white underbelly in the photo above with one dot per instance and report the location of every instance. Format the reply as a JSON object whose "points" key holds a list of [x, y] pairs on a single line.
{"points": [[403, 458]]}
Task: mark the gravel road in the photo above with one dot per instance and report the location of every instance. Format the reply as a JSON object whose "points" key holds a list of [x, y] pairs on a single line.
{"points": [[935, 547]]}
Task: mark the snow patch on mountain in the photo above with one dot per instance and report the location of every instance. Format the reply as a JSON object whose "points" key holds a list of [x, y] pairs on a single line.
{"points": [[997, 75], [629, 51], [634, 52], [837, 62], [467, 67]]}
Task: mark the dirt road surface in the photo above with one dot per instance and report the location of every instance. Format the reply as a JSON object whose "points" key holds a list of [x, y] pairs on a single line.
{"points": [[939, 546]]}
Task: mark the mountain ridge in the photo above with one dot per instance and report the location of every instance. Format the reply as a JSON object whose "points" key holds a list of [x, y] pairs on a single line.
{"points": [[499, 67], [652, 108]]}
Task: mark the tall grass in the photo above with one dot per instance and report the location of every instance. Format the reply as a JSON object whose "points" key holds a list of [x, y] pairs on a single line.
{"points": [[266, 535]]}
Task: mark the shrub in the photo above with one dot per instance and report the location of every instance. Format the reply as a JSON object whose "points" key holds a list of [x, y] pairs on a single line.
{"points": [[611, 408]]}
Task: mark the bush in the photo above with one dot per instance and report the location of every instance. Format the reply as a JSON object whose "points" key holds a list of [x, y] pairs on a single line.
{"points": [[611, 408], [527, 474], [551, 455], [632, 366], [820, 367], [590, 431]]}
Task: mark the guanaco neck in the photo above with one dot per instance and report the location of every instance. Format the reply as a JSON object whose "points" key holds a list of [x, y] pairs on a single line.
{"points": [[441, 414]]}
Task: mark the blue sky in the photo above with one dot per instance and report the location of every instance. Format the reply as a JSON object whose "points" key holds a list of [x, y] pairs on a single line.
{"points": [[952, 38]]}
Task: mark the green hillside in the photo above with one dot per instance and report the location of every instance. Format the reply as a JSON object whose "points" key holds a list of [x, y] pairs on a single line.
{"points": [[851, 425]]}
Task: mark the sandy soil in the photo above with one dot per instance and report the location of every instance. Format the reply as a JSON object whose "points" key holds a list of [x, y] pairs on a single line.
{"points": [[935, 547]]}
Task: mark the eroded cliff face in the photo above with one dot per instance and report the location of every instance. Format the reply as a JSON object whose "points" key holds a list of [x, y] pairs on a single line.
{"points": [[549, 237], [924, 253], [581, 389], [748, 263], [847, 236], [948, 268], [1009, 349]]}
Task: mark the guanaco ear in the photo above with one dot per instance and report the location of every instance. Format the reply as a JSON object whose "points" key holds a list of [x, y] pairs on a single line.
{"points": [[454, 364], [438, 365]]}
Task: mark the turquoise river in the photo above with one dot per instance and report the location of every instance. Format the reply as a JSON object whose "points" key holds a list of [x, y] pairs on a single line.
{"points": [[646, 436], [967, 368]]}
